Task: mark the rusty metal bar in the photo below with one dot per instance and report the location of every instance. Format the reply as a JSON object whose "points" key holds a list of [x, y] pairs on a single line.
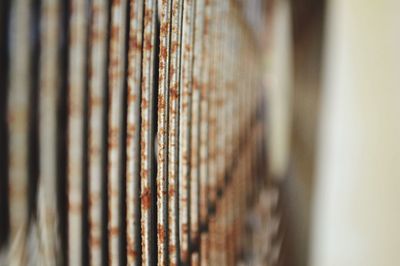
{"points": [[49, 91], [115, 129], [173, 131], [17, 115], [133, 131], [204, 103], [147, 145], [195, 126], [184, 128], [162, 131], [96, 98], [76, 86]]}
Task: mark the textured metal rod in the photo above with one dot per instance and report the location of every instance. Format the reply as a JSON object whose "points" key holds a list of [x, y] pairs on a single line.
{"points": [[212, 112], [195, 124], [133, 132], [147, 145], [173, 131], [48, 159], [116, 74], [97, 149], [76, 88], [219, 97], [184, 127], [17, 115], [204, 110], [162, 131]]}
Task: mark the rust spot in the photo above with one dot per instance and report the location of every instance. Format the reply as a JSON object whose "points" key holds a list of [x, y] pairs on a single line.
{"points": [[171, 71], [171, 192], [161, 102], [195, 84], [74, 207], [95, 101], [146, 198], [171, 249], [187, 48], [147, 44], [161, 232], [185, 255], [145, 103], [185, 228], [163, 52], [113, 138], [174, 47], [113, 231], [114, 32], [174, 92], [132, 97], [95, 241], [164, 28], [135, 44], [96, 35], [132, 253], [94, 198]]}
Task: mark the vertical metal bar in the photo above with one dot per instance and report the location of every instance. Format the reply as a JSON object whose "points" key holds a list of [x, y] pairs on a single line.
{"points": [[17, 115], [97, 149], [162, 131], [219, 98], [195, 124], [230, 89], [173, 131], [146, 151], [184, 127], [48, 92], [204, 109], [212, 112], [115, 119], [76, 78], [133, 132]]}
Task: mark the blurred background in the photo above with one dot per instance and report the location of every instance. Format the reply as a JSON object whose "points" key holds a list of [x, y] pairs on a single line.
{"points": [[333, 73]]}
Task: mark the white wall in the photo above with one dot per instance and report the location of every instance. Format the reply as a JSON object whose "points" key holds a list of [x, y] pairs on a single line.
{"points": [[357, 199]]}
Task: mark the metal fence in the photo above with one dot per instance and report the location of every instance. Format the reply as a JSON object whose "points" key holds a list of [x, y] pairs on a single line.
{"points": [[132, 132]]}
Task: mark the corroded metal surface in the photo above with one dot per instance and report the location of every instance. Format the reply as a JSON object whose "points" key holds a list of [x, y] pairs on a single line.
{"points": [[76, 87], [162, 131], [116, 74], [17, 116], [49, 91], [173, 131], [164, 101], [133, 131], [96, 104], [184, 127], [195, 126], [147, 142]]}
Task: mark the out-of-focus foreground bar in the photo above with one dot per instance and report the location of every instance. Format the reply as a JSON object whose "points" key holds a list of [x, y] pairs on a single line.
{"points": [[133, 132]]}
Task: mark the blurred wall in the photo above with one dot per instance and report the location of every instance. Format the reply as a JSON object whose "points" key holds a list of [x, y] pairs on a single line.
{"points": [[356, 213], [294, 79]]}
